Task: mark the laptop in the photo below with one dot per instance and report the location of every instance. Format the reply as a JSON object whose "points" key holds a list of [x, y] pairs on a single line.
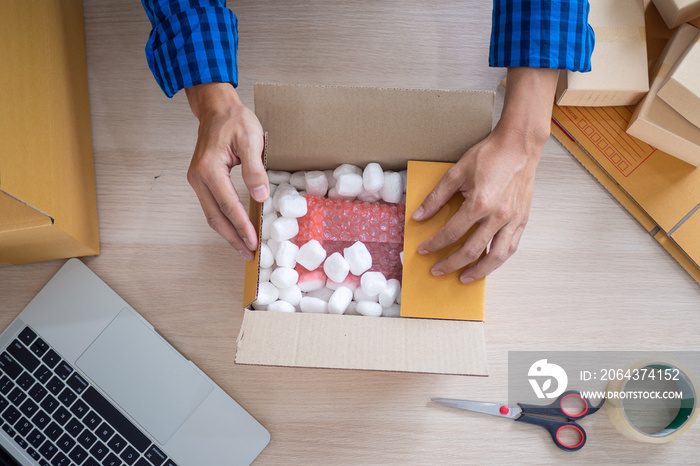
{"points": [[85, 380]]}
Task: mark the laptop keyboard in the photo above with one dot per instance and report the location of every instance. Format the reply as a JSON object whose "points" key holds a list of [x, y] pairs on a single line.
{"points": [[54, 414]]}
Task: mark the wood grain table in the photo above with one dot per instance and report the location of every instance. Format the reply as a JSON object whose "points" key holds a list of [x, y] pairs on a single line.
{"points": [[586, 275]]}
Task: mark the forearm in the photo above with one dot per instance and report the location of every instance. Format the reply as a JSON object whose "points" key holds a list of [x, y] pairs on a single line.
{"points": [[527, 109], [212, 98]]}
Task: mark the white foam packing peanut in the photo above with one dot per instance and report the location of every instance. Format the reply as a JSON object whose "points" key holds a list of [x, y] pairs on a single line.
{"points": [[284, 228], [286, 255], [349, 184], [346, 168], [316, 183], [311, 255], [267, 259], [298, 180], [392, 290], [292, 295], [284, 277], [316, 305], [392, 311], [293, 205], [369, 196], [336, 267], [373, 283], [360, 295], [322, 293], [340, 300], [267, 293], [312, 281], [346, 283], [333, 194], [274, 246], [368, 308], [392, 190], [265, 273], [358, 258], [267, 206], [330, 178], [277, 176], [372, 177], [266, 224], [282, 190], [281, 306]]}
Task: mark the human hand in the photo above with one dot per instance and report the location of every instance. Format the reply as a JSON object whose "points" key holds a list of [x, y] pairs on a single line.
{"points": [[496, 178], [229, 135]]}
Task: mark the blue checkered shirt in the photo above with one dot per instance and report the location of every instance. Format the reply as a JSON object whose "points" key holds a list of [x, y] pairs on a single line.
{"points": [[195, 41], [192, 42], [542, 34]]}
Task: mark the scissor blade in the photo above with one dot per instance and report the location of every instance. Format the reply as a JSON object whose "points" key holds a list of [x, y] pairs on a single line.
{"points": [[494, 409]]}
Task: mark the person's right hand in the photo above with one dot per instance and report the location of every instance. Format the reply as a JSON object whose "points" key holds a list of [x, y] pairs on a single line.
{"points": [[229, 135]]}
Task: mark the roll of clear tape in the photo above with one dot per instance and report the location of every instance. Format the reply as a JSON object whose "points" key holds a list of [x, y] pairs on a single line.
{"points": [[682, 421]]}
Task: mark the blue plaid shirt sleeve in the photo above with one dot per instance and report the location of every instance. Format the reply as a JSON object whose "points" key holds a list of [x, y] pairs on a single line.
{"points": [[192, 42], [541, 34]]}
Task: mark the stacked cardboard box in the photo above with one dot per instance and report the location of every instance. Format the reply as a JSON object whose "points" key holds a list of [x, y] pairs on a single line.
{"points": [[677, 12]]}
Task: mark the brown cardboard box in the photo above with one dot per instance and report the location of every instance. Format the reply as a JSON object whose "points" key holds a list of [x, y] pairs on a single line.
{"points": [[677, 12], [47, 187], [618, 73], [657, 123], [661, 192], [311, 127], [682, 88]]}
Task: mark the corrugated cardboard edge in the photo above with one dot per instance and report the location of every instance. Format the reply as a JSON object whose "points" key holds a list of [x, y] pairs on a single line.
{"points": [[359, 342], [590, 164], [252, 268]]}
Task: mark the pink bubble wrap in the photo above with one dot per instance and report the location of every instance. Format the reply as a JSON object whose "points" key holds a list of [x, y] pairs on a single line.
{"points": [[338, 224]]}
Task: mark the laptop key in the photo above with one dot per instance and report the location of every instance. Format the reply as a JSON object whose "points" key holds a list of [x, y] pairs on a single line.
{"points": [[37, 392], [63, 369], [67, 397], [11, 415], [43, 462], [36, 438], [155, 456], [61, 415], [60, 460], [6, 384], [143, 462], [65, 443], [49, 404], [74, 427], [79, 409], [23, 426], [111, 460], [92, 420], [127, 430], [25, 380], [51, 358], [16, 396], [43, 374], [21, 442], [27, 336], [53, 431], [55, 385], [99, 450], [9, 365], [78, 454], [91, 462], [117, 443], [23, 355], [39, 347], [170, 463], [3, 403], [41, 419], [36, 456], [77, 383], [104, 432], [87, 438], [8, 429], [48, 450], [129, 455], [28, 408]]}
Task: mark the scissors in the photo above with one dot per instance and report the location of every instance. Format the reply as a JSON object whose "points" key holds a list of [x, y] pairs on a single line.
{"points": [[535, 414]]}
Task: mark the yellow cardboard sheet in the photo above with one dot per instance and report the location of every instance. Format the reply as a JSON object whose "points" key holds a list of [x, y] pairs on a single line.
{"points": [[422, 294], [660, 191]]}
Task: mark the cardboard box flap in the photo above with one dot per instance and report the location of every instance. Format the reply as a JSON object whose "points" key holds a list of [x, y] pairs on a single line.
{"points": [[359, 342], [687, 236], [16, 215], [316, 127]]}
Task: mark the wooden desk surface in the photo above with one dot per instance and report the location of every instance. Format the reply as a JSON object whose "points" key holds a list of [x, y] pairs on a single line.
{"points": [[586, 275]]}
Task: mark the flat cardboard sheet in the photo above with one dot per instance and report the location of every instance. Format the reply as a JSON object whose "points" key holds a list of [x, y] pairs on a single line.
{"points": [[660, 191], [423, 295], [618, 73], [682, 87], [392, 344], [657, 123]]}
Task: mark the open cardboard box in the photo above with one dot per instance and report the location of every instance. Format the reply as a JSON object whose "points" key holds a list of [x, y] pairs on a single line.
{"points": [[314, 127], [48, 207]]}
